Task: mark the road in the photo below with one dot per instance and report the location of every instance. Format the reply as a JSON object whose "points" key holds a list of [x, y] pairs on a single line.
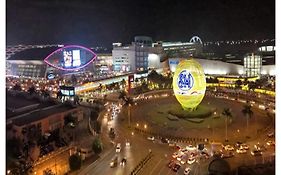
{"points": [[140, 146]]}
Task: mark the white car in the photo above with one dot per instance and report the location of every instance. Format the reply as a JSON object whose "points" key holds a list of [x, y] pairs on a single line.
{"points": [[187, 171], [229, 148], [270, 143], [118, 148], [241, 151], [244, 146], [151, 138], [191, 160], [128, 144]]}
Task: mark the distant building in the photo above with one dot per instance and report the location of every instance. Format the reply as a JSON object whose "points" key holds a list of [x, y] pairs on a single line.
{"points": [[252, 65], [211, 67], [134, 57]]}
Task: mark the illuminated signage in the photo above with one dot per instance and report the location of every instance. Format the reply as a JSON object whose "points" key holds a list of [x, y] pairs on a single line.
{"points": [[185, 80], [189, 84], [70, 58]]}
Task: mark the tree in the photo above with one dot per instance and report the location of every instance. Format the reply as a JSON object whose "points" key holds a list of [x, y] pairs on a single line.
{"points": [[97, 146], [75, 162], [248, 113], [238, 84], [226, 112]]}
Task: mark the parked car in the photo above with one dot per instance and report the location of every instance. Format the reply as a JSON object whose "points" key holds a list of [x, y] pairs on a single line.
{"points": [[176, 167], [244, 146], [256, 152], [270, 135], [227, 154], [228, 148], [241, 150]]}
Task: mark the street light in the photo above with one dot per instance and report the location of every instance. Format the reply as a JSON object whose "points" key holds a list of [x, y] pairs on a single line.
{"points": [[8, 172], [137, 125], [145, 126]]}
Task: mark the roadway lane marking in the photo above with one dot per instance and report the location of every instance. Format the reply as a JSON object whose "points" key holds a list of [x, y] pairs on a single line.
{"points": [[155, 166]]}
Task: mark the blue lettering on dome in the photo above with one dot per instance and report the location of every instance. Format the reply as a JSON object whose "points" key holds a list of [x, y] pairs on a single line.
{"points": [[185, 80]]}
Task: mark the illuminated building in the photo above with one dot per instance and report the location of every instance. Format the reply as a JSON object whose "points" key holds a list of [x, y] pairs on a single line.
{"points": [[252, 65], [134, 57], [211, 67]]}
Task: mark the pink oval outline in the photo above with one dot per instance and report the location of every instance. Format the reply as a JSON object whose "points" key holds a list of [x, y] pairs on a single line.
{"points": [[71, 69]]}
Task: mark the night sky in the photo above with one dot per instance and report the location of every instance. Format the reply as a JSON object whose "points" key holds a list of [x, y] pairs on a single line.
{"points": [[101, 22]]}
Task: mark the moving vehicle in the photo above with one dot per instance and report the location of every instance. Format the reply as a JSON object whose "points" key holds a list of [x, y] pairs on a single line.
{"points": [[114, 162], [256, 153], [123, 161], [228, 148], [187, 171], [241, 151], [118, 148], [176, 167], [151, 138]]}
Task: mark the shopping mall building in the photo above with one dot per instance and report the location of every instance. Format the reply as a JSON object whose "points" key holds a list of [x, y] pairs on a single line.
{"points": [[141, 55]]}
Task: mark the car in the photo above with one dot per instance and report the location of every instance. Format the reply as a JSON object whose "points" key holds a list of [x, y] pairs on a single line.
{"points": [[256, 152], [163, 140], [191, 148], [179, 158], [191, 160], [238, 144], [172, 144], [227, 155], [228, 148], [175, 155], [176, 167], [241, 151], [260, 147], [123, 161], [171, 163], [128, 144], [183, 161], [270, 143], [118, 148], [205, 154], [187, 171], [151, 138], [244, 146], [114, 162], [270, 135]]}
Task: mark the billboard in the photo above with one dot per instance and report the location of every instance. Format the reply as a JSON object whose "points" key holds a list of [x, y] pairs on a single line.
{"points": [[67, 90], [189, 84], [70, 58]]}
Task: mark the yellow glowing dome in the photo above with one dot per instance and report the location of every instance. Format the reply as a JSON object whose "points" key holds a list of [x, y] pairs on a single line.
{"points": [[189, 83]]}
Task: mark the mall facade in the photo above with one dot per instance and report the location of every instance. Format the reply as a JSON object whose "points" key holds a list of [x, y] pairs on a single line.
{"points": [[143, 55]]}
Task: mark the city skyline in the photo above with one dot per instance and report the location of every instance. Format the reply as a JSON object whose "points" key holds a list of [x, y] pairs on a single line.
{"points": [[101, 24]]}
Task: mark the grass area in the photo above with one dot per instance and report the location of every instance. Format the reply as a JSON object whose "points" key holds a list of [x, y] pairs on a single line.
{"points": [[201, 118], [201, 112]]}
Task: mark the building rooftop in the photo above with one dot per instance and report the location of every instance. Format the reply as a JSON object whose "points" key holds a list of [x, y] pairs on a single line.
{"points": [[41, 114], [18, 104]]}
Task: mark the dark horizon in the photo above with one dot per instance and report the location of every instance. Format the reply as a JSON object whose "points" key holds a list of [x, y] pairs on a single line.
{"points": [[102, 23]]}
